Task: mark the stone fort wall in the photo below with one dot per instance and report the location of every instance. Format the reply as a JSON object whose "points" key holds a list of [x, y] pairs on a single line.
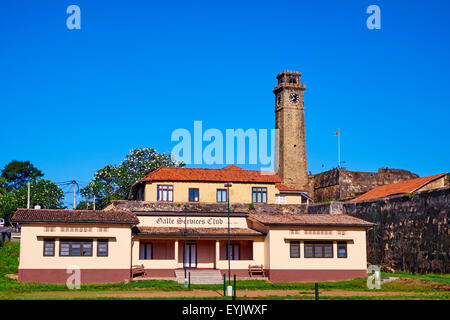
{"points": [[411, 232], [341, 184]]}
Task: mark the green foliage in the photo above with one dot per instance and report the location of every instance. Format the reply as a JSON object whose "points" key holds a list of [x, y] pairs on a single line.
{"points": [[16, 174], [9, 257], [44, 192], [85, 205], [114, 182], [251, 207], [3, 190]]}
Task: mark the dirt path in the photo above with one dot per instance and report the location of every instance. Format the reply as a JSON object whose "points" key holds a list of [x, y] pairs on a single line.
{"points": [[202, 293], [414, 288]]}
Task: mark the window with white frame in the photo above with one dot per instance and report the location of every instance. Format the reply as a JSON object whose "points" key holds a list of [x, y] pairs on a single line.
{"points": [[165, 192], [221, 195], [259, 195]]}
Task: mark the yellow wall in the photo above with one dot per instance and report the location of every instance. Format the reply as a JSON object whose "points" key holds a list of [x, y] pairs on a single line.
{"points": [[32, 246], [239, 192], [278, 246], [292, 198]]}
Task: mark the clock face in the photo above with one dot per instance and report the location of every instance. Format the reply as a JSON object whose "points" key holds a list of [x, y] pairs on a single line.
{"points": [[293, 97], [278, 99]]}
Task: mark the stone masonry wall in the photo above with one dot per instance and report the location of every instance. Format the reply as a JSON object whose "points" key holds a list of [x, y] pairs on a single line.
{"points": [[140, 206], [340, 184], [412, 233]]}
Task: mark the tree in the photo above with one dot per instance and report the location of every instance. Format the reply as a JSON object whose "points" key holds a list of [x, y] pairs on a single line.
{"points": [[84, 205], [43, 192], [16, 174], [114, 182]]}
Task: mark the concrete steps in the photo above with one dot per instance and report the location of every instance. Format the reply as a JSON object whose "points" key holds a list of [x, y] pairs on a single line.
{"points": [[199, 276]]}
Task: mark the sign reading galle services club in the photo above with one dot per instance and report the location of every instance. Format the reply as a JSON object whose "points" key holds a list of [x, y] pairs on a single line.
{"points": [[211, 222]]}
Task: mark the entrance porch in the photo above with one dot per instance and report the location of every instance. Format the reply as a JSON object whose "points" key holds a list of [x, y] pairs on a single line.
{"points": [[162, 257]]}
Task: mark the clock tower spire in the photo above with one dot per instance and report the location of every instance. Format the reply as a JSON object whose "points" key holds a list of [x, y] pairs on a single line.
{"points": [[290, 120]]}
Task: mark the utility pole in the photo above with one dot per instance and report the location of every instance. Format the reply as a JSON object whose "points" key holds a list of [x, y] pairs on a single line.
{"points": [[28, 196], [374, 235], [94, 201], [229, 291], [184, 248], [229, 246], [74, 194], [228, 185]]}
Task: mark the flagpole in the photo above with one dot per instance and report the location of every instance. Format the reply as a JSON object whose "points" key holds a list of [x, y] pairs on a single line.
{"points": [[339, 148]]}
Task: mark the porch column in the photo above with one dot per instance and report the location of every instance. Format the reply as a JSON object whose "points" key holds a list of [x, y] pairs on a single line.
{"points": [[217, 254], [176, 253], [253, 250]]}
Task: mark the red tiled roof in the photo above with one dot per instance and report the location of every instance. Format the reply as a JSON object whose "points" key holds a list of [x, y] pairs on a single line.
{"points": [[283, 187], [308, 219], [232, 167], [402, 187], [174, 231], [74, 216], [228, 174]]}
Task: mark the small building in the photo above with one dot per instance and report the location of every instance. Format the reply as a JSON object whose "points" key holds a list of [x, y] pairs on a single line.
{"points": [[405, 187], [290, 195], [96, 242], [105, 245], [183, 185]]}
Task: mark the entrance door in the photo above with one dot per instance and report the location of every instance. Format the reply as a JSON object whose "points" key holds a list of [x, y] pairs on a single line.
{"points": [[190, 256]]}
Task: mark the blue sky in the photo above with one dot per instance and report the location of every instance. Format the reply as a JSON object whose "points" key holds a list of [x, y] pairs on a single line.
{"points": [[73, 101]]}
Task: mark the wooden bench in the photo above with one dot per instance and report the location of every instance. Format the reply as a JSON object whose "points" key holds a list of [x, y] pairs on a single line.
{"points": [[256, 270], [138, 270]]}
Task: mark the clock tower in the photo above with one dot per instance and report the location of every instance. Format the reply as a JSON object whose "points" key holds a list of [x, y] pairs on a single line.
{"points": [[290, 122]]}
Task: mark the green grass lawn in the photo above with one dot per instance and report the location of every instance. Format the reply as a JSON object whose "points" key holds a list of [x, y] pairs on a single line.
{"points": [[9, 254], [443, 278]]}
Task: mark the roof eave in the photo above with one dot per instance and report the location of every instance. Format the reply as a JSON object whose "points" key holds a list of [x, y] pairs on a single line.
{"points": [[315, 224], [168, 234], [281, 224], [74, 221], [207, 181]]}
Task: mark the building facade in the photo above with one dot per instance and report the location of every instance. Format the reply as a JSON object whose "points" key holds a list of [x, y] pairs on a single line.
{"points": [[54, 241], [192, 185], [106, 245]]}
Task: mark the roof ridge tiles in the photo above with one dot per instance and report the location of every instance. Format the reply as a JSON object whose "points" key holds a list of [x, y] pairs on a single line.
{"points": [[230, 173], [23, 215]]}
